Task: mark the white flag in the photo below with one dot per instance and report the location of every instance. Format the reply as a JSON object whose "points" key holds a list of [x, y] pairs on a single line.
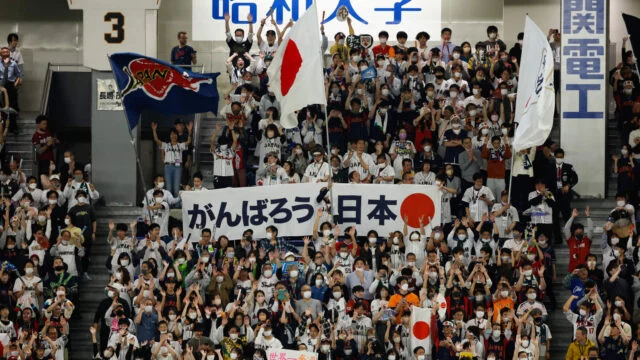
{"points": [[536, 94], [421, 329], [296, 72]]}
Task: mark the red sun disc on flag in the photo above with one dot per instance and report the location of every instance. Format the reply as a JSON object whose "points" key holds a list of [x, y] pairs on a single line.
{"points": [[416, 206], [421, 330], [293, 62]]}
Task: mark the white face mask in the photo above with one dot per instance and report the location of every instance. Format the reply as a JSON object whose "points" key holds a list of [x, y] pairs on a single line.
{"points": [[480, 314], [492, 35], [505, 131], [160, 185], [496, 333], [531, 296], [319, 283], [33, 186], [337, 295], [504, 91], [476, 91], [267, 273], [53, 201], [233, 337], [239, 38], [269, 235], [583, 312], [293, 273], [527, 272], [473, 113], [456, 56], [620, 203], [624, 152], [453, 94], [67, 221], [404, 287], [373, 240], [559, 161], [124, 262], [28, 271], [462, 237], [172, 317], [81, 199], [385, 92], [525, 343], [306, 294], [504, 293], [148, 309], [42, 218]]}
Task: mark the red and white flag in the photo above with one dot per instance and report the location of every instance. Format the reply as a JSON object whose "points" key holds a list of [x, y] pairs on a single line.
{"points": [[296, 72], [421, 329]]}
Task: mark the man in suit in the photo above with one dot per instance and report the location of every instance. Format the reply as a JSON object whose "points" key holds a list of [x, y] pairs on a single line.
{"points": [[564, 179]]}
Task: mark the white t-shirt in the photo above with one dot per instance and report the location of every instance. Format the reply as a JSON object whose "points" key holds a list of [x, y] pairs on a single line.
{"points": [[477, 207]]}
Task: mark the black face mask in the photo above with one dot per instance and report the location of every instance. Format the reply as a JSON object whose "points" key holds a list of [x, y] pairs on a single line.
{"points": [[58, 268]]}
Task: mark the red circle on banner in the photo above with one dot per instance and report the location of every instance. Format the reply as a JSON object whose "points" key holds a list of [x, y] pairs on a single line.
{"points": [[293, 60], [421, 330], [416, 206]]}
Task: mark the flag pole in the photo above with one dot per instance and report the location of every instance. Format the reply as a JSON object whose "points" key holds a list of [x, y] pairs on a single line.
{"points": [[133, 140], [326, 126]]}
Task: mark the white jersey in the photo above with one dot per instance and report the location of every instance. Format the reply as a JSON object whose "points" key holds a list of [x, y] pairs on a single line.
{"points": [[477, 207], [316, 172]]}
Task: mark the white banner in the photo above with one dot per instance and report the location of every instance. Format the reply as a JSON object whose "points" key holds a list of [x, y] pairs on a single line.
{"points": [[584, 90], [108, 95], [383, 207], [284, 354], [536, 94], [368, 17], [292, 209]]}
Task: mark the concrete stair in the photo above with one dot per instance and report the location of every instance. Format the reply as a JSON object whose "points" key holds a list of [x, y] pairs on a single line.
{"points": [[92, 292], [20, 146]]}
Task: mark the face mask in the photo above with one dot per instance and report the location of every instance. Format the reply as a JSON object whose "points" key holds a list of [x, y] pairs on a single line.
{"points": [[462, 237], [53, 201], [193, 315], [505, 131], [453, 94], [205, 259], [616, 316], [28, 271], [504, 293], [481, 54], [337, 295], [268, 273], [269, 235], [326, 232], [239, 38], [404, 287], [356, 58], [559, 161], [341, 42], [33, 186], [233, 337], [504, 92], [42, 218], [118, 276], [525, 343], [160, 185], [148, 309], [433, 275], [230, 255], [211, 357], [627, 91], [583, 312], [385, 92], [373, 240], [391, 357], [387, 74], [457, 74], [476, 91], [107, 353], [60, 293], [615, 241], [531, 296], [492, 35], [420, 357], [81, 199], [480, 314], [219, 279], [456, 131], [527, 272], [624, 152], [383, 41], [64, 242], [293, 273], [306, 294], [234, 355], [347, 351], [616, 253], [473, 113], [319, 283], [395, 240], [124, 262]]}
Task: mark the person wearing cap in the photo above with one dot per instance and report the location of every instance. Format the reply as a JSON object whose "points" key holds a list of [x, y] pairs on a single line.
{"points": [[270, 46], [318, 170], [79, 184], [271, 173], [54, 185]]}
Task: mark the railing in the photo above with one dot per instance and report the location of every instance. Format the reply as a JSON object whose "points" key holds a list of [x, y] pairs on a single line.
{"points": [[195, 137]]}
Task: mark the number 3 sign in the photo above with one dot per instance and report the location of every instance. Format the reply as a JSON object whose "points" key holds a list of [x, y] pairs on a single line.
{"points": [[111, 26]]}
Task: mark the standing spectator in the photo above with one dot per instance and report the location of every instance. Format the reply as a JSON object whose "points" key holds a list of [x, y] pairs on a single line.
{"points": [[172, 156], [183, 54], [13, 40], [44, 142], [237, 43], [446, 47], [555, 43], [581, 347], [10, 79]]}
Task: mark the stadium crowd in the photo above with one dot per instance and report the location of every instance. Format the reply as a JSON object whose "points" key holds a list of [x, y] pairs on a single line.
{"points": [[431, 115]]}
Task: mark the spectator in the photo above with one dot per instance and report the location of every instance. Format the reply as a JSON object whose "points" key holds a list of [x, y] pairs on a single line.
{"points": [[10, 79], [183, 54]]}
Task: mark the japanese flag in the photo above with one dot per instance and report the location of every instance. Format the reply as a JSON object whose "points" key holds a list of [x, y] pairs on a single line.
{"points": [[296, 72], [421, 328]]}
